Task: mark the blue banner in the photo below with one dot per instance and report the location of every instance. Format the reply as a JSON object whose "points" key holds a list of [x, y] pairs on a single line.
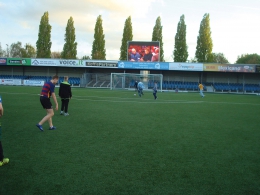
{"points": [[3, 61], [144, 65]]}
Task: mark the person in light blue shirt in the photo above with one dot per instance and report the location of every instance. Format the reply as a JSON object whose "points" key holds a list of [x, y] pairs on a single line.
{"points": [[140, 87]]}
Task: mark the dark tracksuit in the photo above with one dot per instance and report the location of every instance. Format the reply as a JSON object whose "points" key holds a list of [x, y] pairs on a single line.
{"points": [[155, 91], [65, 95], [135, 85]]}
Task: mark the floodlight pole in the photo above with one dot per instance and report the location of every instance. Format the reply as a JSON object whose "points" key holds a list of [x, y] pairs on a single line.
{"points": [[7, 50]]}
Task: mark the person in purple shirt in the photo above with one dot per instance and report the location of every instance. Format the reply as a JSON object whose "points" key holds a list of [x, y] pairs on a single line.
{"points": [[46, 93]]}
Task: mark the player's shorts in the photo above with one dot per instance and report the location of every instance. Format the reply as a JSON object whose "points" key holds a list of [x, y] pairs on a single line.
{"points": [[46, 102]]}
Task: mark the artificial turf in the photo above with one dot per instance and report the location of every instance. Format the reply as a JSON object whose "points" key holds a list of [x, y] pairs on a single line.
{"points": [[116, 143]]}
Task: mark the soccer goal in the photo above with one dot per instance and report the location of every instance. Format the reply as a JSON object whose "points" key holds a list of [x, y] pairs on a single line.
{"points": [[127, 80]]}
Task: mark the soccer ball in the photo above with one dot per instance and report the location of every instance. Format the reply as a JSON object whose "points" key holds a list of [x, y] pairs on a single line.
{"points": [[134, 94]]}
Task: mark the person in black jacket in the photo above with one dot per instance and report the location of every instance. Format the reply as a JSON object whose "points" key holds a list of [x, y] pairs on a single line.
{"points": [[65, 95], [147, 56], [135, 85]]}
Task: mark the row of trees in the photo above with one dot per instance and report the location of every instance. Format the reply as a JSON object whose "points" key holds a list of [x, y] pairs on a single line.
{"points": [[180, 53], [16, 50]]}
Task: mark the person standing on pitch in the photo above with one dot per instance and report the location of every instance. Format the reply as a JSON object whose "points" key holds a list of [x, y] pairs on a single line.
{"points": [[140, 87], [65, 95], [3, 160], [46, 93], [201, 90], [135, 85], [155, 90]]}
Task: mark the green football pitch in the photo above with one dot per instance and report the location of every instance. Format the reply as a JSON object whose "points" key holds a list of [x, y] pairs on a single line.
{"points": [[116, 143]]}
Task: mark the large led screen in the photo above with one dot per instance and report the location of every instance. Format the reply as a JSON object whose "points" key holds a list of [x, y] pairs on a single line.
{"points": [[141, 51]]}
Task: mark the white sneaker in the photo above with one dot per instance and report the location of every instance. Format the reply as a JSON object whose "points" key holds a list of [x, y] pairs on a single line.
{"points": [[61, 112], [66, 114]]}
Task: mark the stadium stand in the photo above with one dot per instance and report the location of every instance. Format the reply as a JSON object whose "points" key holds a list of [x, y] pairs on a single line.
{"points": [[13, 77], [72, 80], [236, 87]]}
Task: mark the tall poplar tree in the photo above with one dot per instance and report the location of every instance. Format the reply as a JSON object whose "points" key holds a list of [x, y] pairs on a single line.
{"points": [[43, 43], [204, 41], [127, 36], [98, 46], [180, 52], [157, 36], [70, 46]]}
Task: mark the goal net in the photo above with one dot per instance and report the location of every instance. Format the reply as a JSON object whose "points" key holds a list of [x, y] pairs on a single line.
{"points": [[127, 80]]}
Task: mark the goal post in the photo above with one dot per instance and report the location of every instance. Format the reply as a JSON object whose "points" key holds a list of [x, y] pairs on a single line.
{"points": [[127, 80]]}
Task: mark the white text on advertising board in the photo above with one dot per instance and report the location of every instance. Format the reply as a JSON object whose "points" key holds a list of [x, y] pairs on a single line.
{"points": [[22, 61], [102, 64]]}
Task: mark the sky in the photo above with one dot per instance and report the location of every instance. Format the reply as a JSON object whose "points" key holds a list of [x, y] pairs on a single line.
{"points": [[235, 24]]}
